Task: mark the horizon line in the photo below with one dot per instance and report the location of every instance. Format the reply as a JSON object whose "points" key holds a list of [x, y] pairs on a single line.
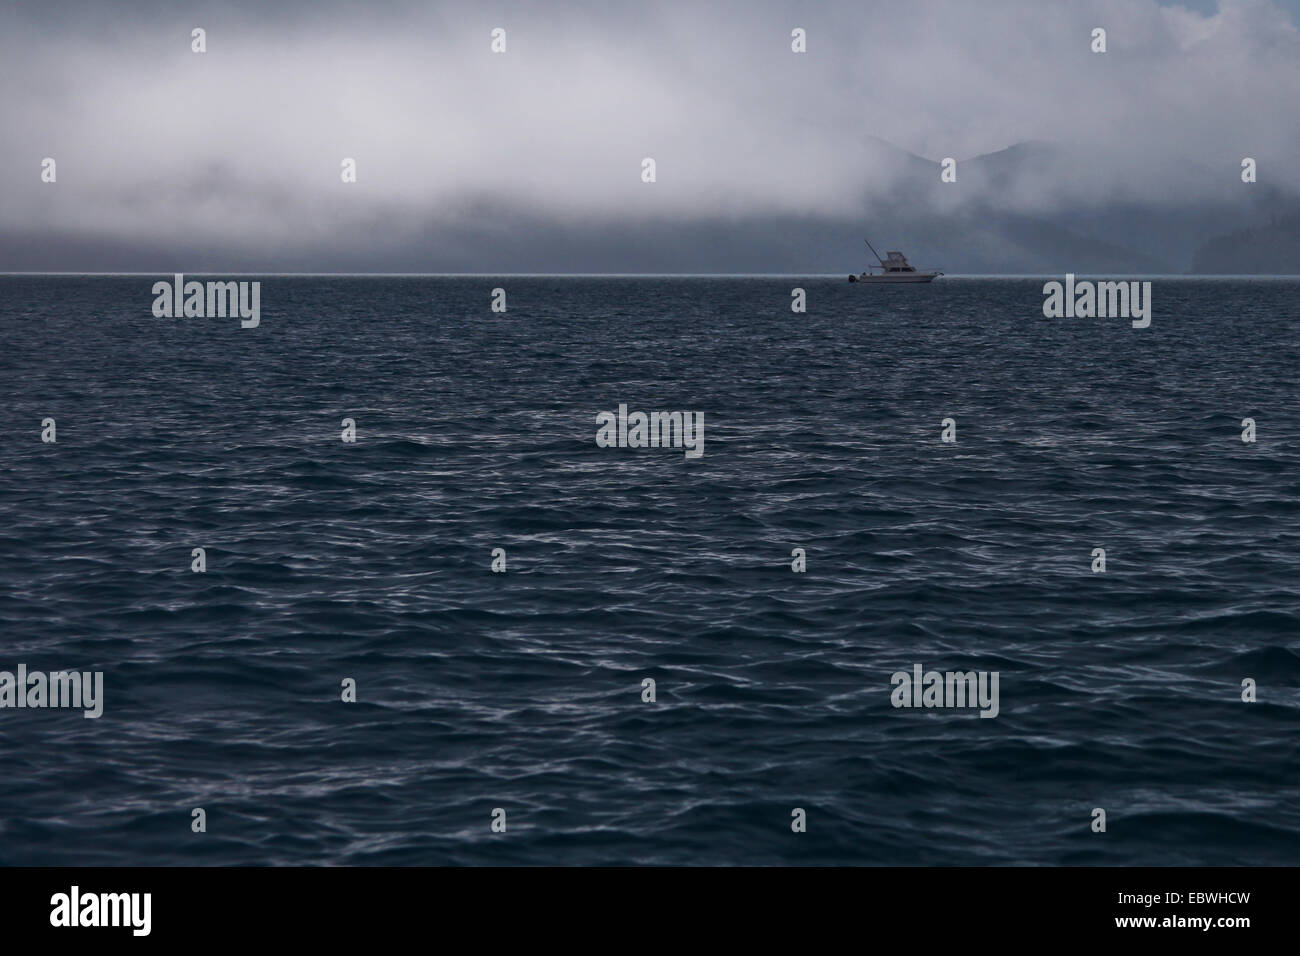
{"points": [[666, 275]]}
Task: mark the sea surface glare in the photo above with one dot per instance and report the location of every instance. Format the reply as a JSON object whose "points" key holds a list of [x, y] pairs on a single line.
{"points": [[523, 690]]}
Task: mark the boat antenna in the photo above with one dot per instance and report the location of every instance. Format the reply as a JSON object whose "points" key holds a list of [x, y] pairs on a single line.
{"points": [[873, 251]]}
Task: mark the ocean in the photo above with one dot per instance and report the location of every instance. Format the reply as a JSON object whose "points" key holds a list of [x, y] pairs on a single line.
{"points": [[501, 716]]}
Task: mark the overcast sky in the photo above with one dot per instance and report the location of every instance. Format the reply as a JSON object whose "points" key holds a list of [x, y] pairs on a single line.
{"points": [[240, 147]]}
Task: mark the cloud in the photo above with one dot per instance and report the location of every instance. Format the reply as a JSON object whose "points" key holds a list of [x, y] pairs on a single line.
{"points": [[240, 147]]}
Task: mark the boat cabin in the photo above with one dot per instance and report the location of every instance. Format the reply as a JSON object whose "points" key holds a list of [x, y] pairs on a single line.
{"points": [[897, 262]]}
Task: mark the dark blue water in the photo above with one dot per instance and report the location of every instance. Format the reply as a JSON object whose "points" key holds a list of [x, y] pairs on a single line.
{"points": [[522, 690]]}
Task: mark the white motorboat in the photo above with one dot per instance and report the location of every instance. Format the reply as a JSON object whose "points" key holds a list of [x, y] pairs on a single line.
{"points": [[894, 268]]}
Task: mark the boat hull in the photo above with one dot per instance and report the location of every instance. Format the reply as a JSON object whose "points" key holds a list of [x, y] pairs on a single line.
{"points": [[891, 279]]}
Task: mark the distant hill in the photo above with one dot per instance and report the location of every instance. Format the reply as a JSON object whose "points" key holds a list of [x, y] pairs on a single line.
{"points": [[1020, 209], [1032, 208], [1272, 249]]}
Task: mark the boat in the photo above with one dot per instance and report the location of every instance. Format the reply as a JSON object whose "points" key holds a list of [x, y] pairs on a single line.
{"points": [[894, 268]]}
